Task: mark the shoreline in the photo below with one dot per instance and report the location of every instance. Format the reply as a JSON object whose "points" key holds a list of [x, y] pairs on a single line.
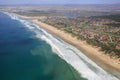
{"points": [[104, 61], [109, 64]]}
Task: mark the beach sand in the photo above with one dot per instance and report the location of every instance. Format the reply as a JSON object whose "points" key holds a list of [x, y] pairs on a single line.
{"points": [[111, 65]]}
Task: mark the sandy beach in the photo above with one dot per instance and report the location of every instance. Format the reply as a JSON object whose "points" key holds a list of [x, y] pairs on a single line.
{"points": [[111, 65]]}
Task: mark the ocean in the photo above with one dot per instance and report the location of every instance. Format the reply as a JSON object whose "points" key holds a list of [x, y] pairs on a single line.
{"points": [[28, 52], [25, 57]]}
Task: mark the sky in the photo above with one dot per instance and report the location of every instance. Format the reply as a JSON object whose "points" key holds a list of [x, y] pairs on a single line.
{"points": [[5, 2]]}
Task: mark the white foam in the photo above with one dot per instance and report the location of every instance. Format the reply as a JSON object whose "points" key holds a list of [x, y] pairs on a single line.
{"points": [[75, 58], [13, 16], [86, 67]]}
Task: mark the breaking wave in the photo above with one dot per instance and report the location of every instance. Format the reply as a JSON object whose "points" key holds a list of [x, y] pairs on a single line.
{"points": [[86, 67]]}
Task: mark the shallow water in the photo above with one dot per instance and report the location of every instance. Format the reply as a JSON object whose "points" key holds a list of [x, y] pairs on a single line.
{"points": [[25, 57], [86, 68]]}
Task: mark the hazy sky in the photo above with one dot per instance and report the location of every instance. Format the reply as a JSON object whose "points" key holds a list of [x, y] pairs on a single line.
{"points": [[59, 1]]}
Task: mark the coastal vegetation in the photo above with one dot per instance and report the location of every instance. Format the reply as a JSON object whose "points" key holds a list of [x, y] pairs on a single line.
{"points": [[98, 31], [98, 27]]}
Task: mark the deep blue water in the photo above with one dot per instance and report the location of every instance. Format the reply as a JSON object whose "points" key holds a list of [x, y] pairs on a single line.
{"points": [[25, 57]]}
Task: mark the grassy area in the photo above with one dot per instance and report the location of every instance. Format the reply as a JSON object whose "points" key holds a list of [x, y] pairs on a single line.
{"points": [[68, 29], [114, 25], [112, 17]]}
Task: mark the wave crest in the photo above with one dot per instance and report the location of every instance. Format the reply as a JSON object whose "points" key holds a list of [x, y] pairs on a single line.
{"points": [[86, 67]]}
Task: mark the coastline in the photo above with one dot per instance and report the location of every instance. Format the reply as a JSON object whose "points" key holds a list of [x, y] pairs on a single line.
{"points": [[104, 61], [110, 65]]}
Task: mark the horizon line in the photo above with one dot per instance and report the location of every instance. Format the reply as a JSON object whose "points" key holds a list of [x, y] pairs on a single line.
{"points": [[116, 4]]}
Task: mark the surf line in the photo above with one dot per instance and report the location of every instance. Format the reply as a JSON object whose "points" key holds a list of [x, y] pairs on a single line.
{"points": [[85, 66]]}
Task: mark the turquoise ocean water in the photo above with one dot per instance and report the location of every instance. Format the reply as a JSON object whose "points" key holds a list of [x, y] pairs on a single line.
{"points": [[28, 52], [25, 57]]}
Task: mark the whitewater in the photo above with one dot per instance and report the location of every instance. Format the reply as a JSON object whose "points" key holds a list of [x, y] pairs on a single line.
{"points": [[85, 66]]}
